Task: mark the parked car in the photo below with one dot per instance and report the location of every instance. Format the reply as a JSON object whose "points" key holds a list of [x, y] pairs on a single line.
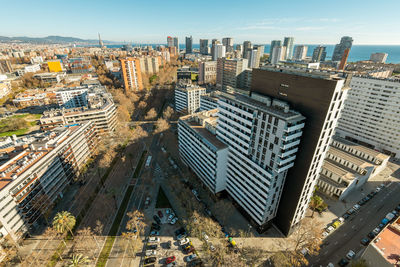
{"points": [[189, 250], [325, 234], [149, 260], [343, 262], [157, 219], [371, 235], [345, 216], [341, 219], [191, 257], [187, 245], [160, 214], [350, 255], [398, 208], [361, 202], [184, 241], [153, 233], [170, 259], [212, 248], [350, 211], [180, 237], [208, 212], [168, 211], [171, 216], [147, 202], [356, 207], [365, 241], [205, 236], [194, 191], [377, 189], [152, 247], [174, 220], [151, 252], [155, 226], [171, 264], [330, 229], [154, 239], [336, 224]]}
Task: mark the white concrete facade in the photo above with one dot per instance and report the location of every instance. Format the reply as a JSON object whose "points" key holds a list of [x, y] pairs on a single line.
{"points": [[187, 97]]}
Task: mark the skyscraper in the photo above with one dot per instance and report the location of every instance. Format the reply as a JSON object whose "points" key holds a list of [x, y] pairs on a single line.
{"points": [[204, 46], [254, 55], [319, 54], [246, 47], [189, 44], [214, 42], [278, 54], [228, 72], [345, 42], [100, 42], [173, 42], [318, 96], [228, 43], [300, 52], [219, 51], [289, 43], [273, 44]]}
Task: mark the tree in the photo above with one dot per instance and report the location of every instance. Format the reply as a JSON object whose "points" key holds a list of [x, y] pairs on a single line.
{"points": [[161, 125], [135, 226], [316, 202], [51, 234], [168, 113], [151, 114], [358, 263], [78, 260], [64, 222]]}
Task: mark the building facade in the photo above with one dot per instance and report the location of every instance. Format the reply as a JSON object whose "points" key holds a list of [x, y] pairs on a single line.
{"points": [[229, 72], [378, 57], [300, 52], [209, 101], [346, 42], [319, 54], [131, 73], [278, 54], [371, 114], [204, 47], [289, 43], [187, 97], [207, 72], [189, 45]]}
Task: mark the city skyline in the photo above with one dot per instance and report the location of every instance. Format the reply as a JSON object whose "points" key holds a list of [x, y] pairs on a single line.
{"points": [[307, 22]]}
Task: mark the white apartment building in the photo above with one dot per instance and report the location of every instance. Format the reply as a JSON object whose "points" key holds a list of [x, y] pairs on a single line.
{"points": [[278, 54], [29, 68], [371, 114], [72, 97], [262, 135], [5, 88], [187, 97], [200, 149], [219, 51], [348, 166], [35, 176], [207, 72], [300, 52], [209, 101]]}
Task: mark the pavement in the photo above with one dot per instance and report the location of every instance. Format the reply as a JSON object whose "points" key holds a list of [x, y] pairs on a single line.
{"points": [[357, 226]]}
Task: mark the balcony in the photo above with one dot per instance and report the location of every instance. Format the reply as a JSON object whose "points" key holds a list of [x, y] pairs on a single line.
{"points": [[292, 135], [289, 152], [290, 144], [294, 127], [284, 168], [283, 161]]}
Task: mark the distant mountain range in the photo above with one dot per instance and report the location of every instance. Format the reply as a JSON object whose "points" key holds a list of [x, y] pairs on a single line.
{"points": [[50, 40]]}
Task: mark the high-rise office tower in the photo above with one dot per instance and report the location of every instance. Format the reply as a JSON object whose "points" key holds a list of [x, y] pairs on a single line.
{"points": [[319, 54], [273, 44], [371, 114], [219, 51], [228, 43], [173, 42], [319, 97], [289, 43], [229, 72], [189, 45], [246, 47], [345, 42], [300, 52], [204, 46], [378, 57], [131, 74], [278, 54]]}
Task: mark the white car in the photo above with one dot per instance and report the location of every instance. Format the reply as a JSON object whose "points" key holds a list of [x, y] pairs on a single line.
{"points": [[325, 234], [171, 216], [151, 252], [330, 229], [350, 255], [356, 207], [330, 265], [341, 219], [184, 241], [191, 257], [154, 239], [377, 189], [174, 220], [205, 236]]}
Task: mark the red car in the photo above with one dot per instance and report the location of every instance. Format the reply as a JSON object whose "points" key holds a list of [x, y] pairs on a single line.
{"points": [[160, 214], [170, 259]]}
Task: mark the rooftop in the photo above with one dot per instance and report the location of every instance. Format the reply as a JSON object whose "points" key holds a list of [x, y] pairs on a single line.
{"points": [[388, 242]]}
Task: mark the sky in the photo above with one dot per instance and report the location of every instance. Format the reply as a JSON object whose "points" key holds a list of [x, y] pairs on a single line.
{"points": [[260, 21]]}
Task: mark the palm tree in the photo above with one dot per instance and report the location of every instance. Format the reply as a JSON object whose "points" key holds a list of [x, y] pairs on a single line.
{"points": [[78, 259], [315, 203], [64, 222]]}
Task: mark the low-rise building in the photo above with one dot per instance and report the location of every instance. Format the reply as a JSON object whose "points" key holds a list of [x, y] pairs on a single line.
{"points": [[348, 166], [28, 68], [200, 149], [34, 97], [187, 73], [50, 77], [37, 173], [5, 88], [187, 97]]}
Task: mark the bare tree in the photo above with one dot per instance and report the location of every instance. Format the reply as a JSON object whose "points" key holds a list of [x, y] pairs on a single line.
{"points": [[151, 114], [168, 113], [161, 125], [135, 226]]}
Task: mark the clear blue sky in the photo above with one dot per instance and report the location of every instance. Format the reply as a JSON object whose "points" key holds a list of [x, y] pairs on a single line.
{"points": [[260, 21]]}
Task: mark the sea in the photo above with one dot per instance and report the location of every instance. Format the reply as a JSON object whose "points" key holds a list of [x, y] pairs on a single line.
{"points": [[357, 52]]}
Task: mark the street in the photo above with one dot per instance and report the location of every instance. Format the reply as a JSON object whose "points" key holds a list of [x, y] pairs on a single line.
{"points": [[357, 226]]}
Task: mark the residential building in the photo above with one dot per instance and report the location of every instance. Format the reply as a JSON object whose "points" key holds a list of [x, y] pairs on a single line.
{"points": [[253, 56], [207, 72], [201, 150], [35, 97], [319, 54], [100, 110], [80, 65], [229, 72], [5, 87], [50, 77], [204, 49], [300, 64], [274, 43], [318, 96], [209, 101], [5, 66], [187, 97], [289, 43], [343, 61], [345, 42], [187, 73], [300, 52], [29, 68], [131, 73], [173, 42], [219, 51], [371, 114], [189, 45], [384, 249], [37, 60], [246, 47], [378, 57], [38, 172], [278, 54], [239, 49], [228, 43], [347, 167], [73, 97]]}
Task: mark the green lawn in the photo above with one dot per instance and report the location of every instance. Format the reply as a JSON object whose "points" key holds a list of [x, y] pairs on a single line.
{"points": [[17, 133], [162, 200]]}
